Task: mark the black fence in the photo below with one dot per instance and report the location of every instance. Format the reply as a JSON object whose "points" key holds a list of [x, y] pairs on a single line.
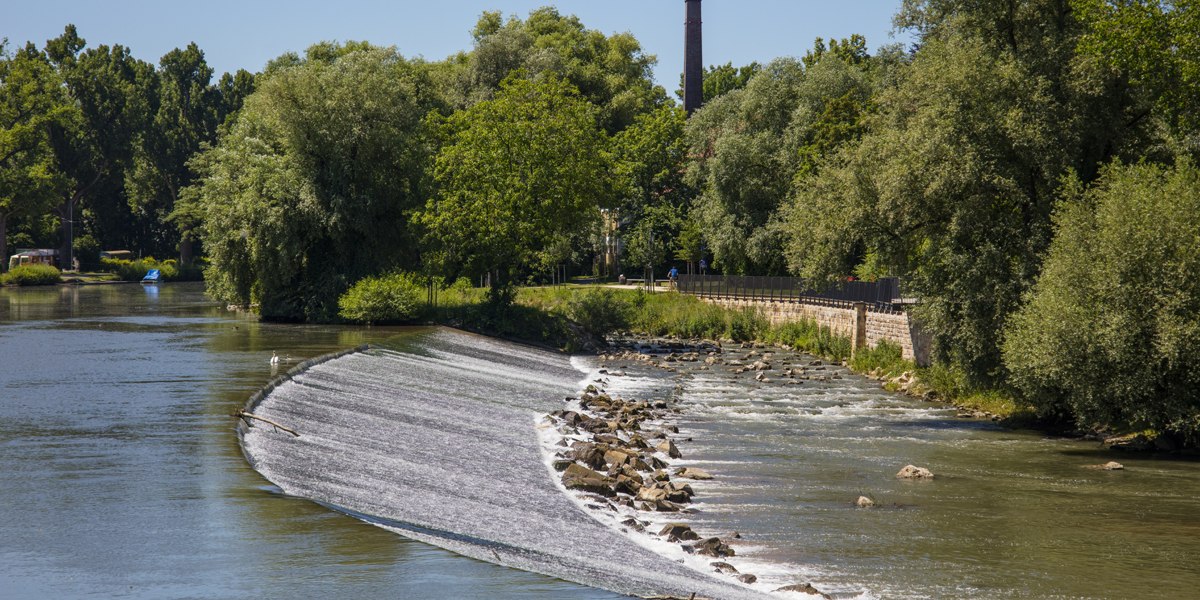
{"points": [[882, 295]]}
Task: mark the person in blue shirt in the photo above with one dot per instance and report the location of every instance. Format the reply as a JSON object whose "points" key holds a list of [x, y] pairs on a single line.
{"points": [[673, 275]]}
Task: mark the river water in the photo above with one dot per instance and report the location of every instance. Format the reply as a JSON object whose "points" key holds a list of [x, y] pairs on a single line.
{"points": [[121, 474]]}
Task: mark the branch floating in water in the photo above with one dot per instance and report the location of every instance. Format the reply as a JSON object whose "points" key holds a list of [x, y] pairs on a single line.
{"points": [[246, 416]]}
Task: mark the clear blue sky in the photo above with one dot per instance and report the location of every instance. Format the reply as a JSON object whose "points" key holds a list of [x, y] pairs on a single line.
{"points": [[248, 33]]}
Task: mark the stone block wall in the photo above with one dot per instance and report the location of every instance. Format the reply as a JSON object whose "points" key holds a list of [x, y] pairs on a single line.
{"points": [[895, 327]]}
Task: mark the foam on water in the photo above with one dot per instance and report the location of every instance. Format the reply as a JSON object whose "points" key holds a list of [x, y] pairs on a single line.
{"points": [[439, 444]]}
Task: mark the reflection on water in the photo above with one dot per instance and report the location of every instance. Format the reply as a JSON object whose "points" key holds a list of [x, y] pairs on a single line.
{"points": [[122, 476]]}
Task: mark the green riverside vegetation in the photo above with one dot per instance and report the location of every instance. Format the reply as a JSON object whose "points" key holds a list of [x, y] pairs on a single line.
{"points": [[1027, 168], [32, 275]]}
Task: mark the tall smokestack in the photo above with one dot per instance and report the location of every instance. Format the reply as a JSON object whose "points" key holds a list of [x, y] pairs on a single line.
{"points": [[693, 59]]}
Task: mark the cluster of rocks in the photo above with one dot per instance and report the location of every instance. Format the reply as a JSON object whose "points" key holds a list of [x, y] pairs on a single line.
{"points": [[619, 458]]}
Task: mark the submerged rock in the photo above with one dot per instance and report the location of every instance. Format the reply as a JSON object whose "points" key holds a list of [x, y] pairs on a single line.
{"points": [[804, 588], [713, 546], [724, 568], [912, 472], [747, 578], [864, 502]]}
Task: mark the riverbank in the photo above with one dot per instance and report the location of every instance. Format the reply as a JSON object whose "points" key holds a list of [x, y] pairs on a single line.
{"points": [[579, 318]]}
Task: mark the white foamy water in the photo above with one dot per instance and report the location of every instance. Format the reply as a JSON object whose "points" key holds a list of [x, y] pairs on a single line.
{"points": [[440, 445]]}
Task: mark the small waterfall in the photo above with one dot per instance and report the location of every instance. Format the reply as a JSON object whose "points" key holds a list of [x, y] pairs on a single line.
{"points": [[438, 441]]}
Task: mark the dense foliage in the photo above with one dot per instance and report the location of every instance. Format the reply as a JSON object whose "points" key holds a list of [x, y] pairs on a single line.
{"points": [[515, 175], [548, 148], [314, 186], [1111, 331], [393, 298]]}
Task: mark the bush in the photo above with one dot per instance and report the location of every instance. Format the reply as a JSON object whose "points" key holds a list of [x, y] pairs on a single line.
{"points": [[32, 275], [1110, 335], [135, 270], [808, 336], [395, 298], [887, 356], [87, 252], [600, 312]]}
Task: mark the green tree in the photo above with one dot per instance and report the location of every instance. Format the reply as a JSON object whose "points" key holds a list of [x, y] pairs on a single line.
{"points": [[650, 162], [612, 72], [1110, 335], [185, 119], [1155, 45], [31, 102], [109, 87], [314, 186], [721, 79], [514, 174]]}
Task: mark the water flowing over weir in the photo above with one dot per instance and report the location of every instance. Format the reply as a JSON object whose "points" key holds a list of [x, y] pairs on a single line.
{"points": [[439, 442]]}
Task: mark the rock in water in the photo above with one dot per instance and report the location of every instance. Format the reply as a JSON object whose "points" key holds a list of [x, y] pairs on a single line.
{"points": [[911, 472], [668, 447], [804, 588], [578, 477], [747, 578], [693, 473], [864, 502], [678, 531]]}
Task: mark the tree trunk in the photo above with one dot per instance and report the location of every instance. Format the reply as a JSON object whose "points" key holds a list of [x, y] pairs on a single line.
{"points": [[3, 242], [185, 249], [67, 233]]}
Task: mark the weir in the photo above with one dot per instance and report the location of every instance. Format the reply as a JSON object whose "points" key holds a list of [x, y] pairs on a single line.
{"points": [[436, 439]]}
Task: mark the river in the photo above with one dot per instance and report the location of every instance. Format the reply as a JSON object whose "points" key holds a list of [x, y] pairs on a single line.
{"points": [[122, 474]]}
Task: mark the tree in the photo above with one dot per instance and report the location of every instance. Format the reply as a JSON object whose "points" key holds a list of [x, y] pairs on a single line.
{"points": [[719, 80], [1155, 45], [650, 162], [1110, 335], [314, 185], [611, 72], [109, 88], [185, 118], [514, 174], [31, 102]]}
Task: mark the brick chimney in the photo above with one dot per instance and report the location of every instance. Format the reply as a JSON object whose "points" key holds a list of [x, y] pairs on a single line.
{"points": [[693, 59]]}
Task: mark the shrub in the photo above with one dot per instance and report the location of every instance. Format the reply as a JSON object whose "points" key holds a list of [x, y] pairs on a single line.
{"points": [[887, 356], [32, 275], [600, 312], [810, 337], [395, 298]]}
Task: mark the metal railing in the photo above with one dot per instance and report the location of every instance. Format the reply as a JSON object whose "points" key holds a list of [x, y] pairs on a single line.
{"points": [[881, 296]]}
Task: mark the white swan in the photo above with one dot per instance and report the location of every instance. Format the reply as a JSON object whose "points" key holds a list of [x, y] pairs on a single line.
{"points": [[274, 358]]}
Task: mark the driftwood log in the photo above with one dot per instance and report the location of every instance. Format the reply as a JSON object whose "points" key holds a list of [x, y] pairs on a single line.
{"points": [[247, 416]]}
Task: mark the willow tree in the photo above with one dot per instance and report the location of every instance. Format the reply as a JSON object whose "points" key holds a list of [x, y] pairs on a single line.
{"points": [[315, 183], [514, 175], [1110, 336]]}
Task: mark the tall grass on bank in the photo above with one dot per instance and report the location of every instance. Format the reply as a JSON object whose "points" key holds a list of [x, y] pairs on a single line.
{"points": [[32, 275]]}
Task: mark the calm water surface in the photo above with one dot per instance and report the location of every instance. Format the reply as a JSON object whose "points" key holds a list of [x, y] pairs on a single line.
{"points": [[121, 476]]}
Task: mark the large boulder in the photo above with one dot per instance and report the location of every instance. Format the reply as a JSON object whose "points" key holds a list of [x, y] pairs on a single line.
{"points": [[581, 478], [912, 472]]}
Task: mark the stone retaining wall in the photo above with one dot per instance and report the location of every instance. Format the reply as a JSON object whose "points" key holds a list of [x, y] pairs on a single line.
{"points": [[898, 328]]}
